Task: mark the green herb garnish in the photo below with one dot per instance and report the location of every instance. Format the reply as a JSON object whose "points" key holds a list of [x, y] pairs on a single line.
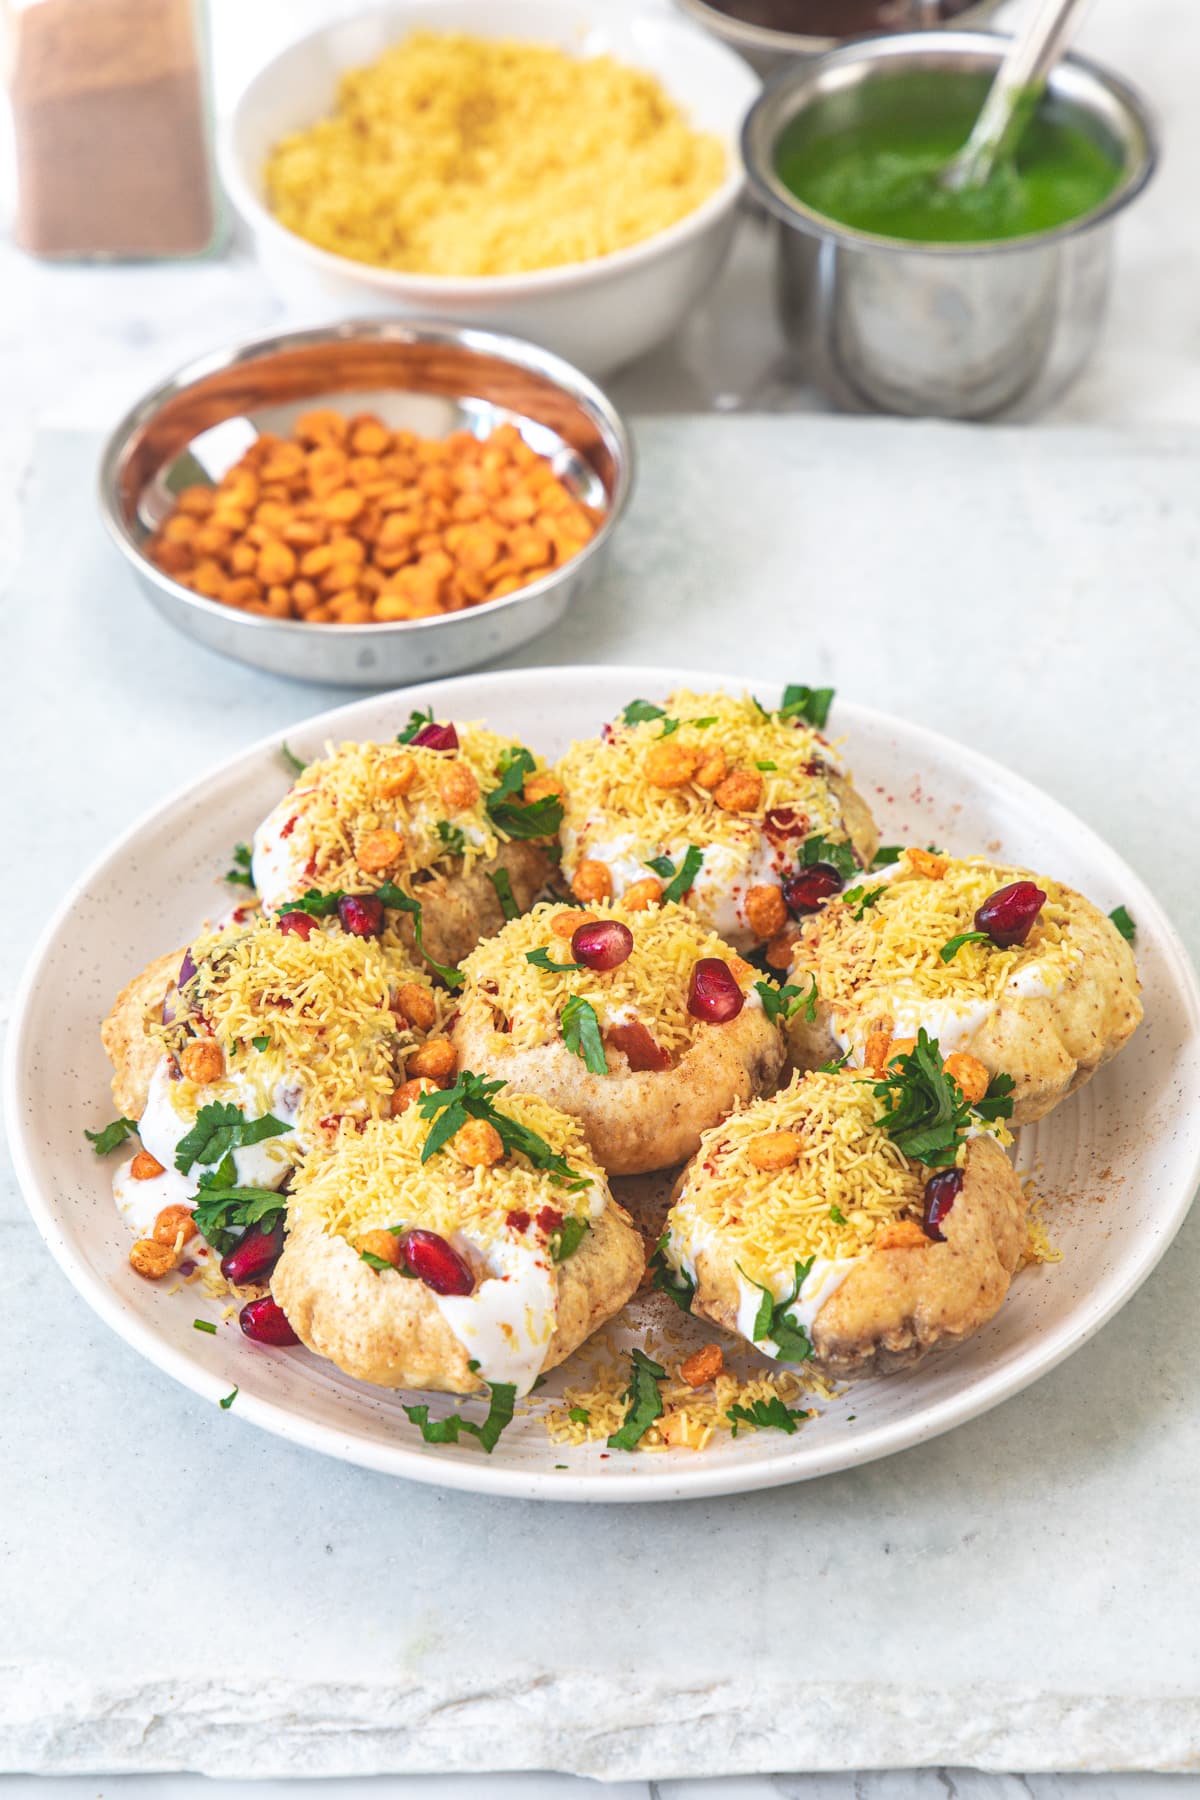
{"points": [[502, 1400], [581, 1034], [766, 767], [471, 1097], [885, 856], [375, 1262], [763, 1414], [240, 873], [836, 1063], [417, 721], [396, 898], [668, 726], [819, 848], [950, 950], [229, 1399], [296, 767], [261, 1043], [837, 1215], [515, 817], [504, 894], [860, 900], [453, 841], [670, 1281], [638, 711], [204, 1325], [810, 704], [679, 881], [220, 1127], [111, 1135], [566, 1238], [702, 724], [928, 1116], [542, 959], [771, 1322], [578, 1415], [225, 1212], [1124, 924], [786, 1001], [645, 1402]]}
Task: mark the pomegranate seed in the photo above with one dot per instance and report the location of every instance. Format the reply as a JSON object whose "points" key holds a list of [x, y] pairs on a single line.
{"points": [[783, 822], [437, 1263], [436, 737], [641, 1051], [265, 1322], [1008, 915], [713, 992], [604, 945], [302, 923], [361, 915], [255, 1256], [941, 1191], [808, 889]]}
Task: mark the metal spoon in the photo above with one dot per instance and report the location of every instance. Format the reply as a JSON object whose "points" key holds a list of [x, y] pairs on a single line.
{"points": [[1014, 93]]}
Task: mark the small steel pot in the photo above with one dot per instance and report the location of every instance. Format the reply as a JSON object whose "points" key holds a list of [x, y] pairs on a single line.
{"points": [[766, 49], [960, 331]]}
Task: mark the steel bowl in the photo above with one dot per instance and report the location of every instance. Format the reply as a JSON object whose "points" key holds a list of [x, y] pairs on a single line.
{"points": [[960, 331], [424, 377], [767, 50]]}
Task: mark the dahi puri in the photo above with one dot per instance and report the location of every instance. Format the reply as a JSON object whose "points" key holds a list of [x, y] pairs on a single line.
{"points": [[1048, 1007], [801, 1226], [519, 1263]]}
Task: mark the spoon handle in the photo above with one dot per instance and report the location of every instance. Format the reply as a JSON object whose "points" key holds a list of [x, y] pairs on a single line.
{"points": [[1014, 92]]}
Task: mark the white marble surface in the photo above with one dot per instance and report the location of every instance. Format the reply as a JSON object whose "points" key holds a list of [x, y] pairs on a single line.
{"points": [[1017, 1594], [179, 1592]]}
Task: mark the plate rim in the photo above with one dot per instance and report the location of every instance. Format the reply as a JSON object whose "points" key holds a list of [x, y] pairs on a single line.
{"points": [[477, 1474]]}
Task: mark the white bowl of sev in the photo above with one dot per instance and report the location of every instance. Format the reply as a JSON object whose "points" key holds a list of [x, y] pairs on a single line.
{"points": [[533, 238]]}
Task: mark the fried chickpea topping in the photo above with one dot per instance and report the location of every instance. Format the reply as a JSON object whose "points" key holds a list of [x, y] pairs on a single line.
{"points": [[670, 765], [904, 1234], [152, 1260], [378, 850], [703, 1365], [350, 523], [541, 786], [383, 1244], [774, 1150], [593, 881], [779, 951], [478, 1144], [566, 924], [415, 1004], [174, 1225], [641, 895], [875, 1052], [436, 1059], [927, 863], [902, 1046], [408, 1091], [970, 1074], [457, 786], [713, 768], [740, 791], [202, 1061], [396, 778], [145, 1167], [765, 910]]}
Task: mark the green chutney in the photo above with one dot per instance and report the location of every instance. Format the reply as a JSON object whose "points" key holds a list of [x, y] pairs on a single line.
{"points": [[881, 175]]}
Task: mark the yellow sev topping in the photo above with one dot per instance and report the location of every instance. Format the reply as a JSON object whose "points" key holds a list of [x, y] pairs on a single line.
{"points": [[372, 1178], [893, 953], [323, 1002], [609, 791], [651, 984], [847, 1184], [359, 791]]}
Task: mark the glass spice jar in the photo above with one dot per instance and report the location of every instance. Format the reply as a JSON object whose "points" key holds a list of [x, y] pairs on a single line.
{"points": [[112, 128]]}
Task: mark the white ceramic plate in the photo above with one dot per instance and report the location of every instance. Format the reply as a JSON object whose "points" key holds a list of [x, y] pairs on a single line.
{"points": [[1118, 1163]]}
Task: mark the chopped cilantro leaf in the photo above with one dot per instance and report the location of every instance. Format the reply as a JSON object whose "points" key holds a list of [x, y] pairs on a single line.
{"points": [[542, 959], [417, 721], [396, 898], [679, 881], [701, 724], [996, 1103], [1124, 924], [645, 1402], [471, 1097], [111, 1135], [261, 1043], [885, 856], [473, 1365], [786, 1001], [837, 1215], [229, 1399], [819, 848], [566, 1240], [240, 873], [638, 711], [453, 841], [504, 894], [204, 1325], [950, 950], [860, 899], [516, 817], [297, 768], [766, 1413], [766, 767], [927, 1116], [810, 704], [503, 1396], [835, 1063], [374, 1262], [579, 1415], [224, 1212], [668, 726], [772, 1323], [581, 1034], [316, 904], [672, 1282], [220, 1128]]}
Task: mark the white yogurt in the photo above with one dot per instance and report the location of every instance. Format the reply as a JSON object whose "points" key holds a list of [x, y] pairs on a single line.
{"points": [[954, 1023], [507, 1323], [822, 1281], [278, 863]]}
